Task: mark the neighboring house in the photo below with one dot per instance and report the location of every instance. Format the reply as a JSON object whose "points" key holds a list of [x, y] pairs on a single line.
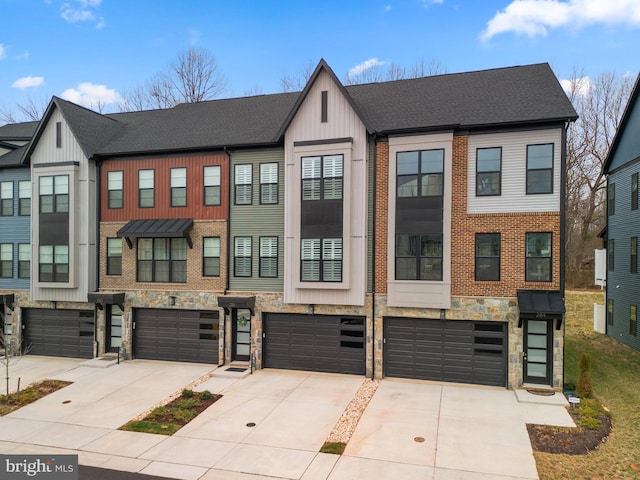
{"points": [[622, 168], [15, 220], [411, 228]]}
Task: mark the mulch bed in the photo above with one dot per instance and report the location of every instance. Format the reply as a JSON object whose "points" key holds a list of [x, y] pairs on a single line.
{"points": [[29, 395], [569, 440]]}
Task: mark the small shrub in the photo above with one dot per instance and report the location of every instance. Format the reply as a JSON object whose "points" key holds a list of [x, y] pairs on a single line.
{"points": [[206, 395], [584, 388], [336, 448], [188, 403], [187, 393]]}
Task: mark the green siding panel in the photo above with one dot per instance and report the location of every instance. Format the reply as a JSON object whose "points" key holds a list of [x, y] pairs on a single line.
{"points": [[257, 221]]}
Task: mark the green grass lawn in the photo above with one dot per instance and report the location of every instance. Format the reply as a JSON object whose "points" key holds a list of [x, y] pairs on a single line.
{"points": [[615, 375]]}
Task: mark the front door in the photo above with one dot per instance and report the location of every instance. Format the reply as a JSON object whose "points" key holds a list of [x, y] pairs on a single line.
{"points": [[241, 319], [538, 351], [114, 328]]}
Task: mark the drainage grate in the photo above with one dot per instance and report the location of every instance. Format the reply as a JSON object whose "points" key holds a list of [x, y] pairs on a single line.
{"points": [[235, 369]]}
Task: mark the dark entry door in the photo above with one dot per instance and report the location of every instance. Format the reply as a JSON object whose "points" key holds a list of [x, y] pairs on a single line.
{"points": [[538, 351], [241, 318], [114, 328]]}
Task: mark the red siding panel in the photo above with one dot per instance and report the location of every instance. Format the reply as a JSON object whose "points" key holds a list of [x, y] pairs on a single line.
{"points": [[161, 165]]}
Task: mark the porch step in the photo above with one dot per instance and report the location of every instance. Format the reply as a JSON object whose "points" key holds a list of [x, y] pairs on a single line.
{"points": [[545, 396], [233, 370], [101, 362]]}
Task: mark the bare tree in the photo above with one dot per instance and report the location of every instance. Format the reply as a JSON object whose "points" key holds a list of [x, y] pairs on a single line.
{"points": [[32, 110], [193, 76], [599, 103], [9, 355], [428, 68], [297, 82], [7, 116]]}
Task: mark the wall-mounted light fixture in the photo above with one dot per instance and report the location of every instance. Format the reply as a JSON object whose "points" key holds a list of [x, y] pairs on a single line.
{"points": [[53, 305], [442, 314], [172, 300]]}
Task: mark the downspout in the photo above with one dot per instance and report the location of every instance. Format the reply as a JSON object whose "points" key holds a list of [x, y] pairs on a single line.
{"points": [[563, 215], [229, 196], [373, 260], [97, 261], [228, 269]]}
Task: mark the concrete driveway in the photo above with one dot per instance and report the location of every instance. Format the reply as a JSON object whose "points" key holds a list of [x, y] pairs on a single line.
{"points": [[271, 425]]}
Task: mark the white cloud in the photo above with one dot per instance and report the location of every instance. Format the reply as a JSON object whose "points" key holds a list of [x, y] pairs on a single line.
{"points": [[91, 95], [28, 82], [428, 3], [82, 11], [194, 36], [536, 17], [580, 86], [24, 56], [3, 51], [387, 8], [364, 66]]}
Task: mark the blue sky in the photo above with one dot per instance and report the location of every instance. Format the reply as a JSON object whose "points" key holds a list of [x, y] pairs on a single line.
{"points": [[89, 49]]}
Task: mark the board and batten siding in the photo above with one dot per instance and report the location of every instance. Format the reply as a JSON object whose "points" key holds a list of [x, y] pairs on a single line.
{"points": [[623, 287], [15, 229], [513, 197], [257, 221], [161, 167], [82, 212], [342, 122]]}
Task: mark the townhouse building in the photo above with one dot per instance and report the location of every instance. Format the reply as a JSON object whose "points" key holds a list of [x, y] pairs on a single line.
{"points": [[15, 224], [411, 229], [622, 168]]}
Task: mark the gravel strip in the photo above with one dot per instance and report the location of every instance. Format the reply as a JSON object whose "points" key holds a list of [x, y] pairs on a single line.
{"points": [[348, 422]]}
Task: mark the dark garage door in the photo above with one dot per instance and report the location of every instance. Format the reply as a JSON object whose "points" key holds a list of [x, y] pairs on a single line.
{"points": [[320, 343], [176, 335], [448, 351], [58, 333]]}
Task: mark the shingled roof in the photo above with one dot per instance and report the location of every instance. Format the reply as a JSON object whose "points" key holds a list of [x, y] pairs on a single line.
{"points": [[213, 124], [500, 97], [18, 131], [503, 96]]}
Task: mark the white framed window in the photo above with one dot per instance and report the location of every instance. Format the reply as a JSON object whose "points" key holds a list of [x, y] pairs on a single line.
{"points": [[6, 199], [178, 187], [146, 185], [242, 257], [268, 257], [24, 260], [268, 183], [211, 185], [243, 184], [24, 198], [6, 260], [115, 189], [211, 257]]}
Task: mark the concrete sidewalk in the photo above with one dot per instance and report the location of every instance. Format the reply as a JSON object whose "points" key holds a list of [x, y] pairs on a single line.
{"points": [[272, 424]]}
